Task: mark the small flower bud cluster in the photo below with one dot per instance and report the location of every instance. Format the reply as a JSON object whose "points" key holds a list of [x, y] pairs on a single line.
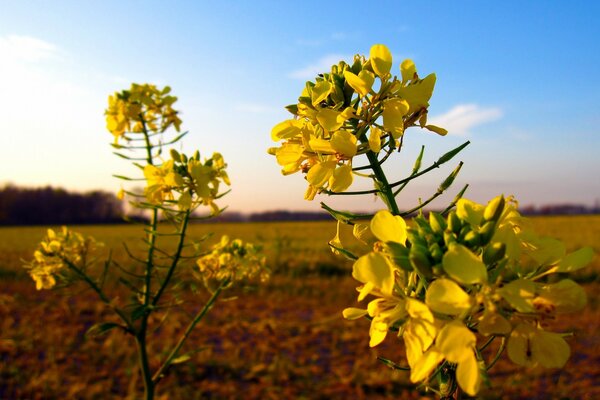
{"points": [[195, 182], [344, 113], [447, 282], [142, 107], [55, 251], [232, 261]]}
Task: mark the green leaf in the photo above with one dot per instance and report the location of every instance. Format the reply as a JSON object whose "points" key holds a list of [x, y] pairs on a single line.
{"points": [[102, 328]]}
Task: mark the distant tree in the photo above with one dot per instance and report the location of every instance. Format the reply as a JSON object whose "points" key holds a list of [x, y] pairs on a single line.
{"points": [[55, 206]]}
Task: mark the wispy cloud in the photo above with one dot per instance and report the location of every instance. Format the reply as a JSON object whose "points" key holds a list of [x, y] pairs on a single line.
{"points": [[15, 48], [462, 118], [322, 65]]}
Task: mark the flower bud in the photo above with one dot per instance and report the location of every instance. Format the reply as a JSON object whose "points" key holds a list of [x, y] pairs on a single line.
{"points": [[454, 223], [487, 231], [175, 155], [420, 261], [494, 209], [472, 238], [437, 223], [493, 253]]}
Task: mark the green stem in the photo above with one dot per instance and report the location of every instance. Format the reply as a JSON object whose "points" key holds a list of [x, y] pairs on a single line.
{"points": [[160, 373], [176, 259], [384, 186], [149, 384]]}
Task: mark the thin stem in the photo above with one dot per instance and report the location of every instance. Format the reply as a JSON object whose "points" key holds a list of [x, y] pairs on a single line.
{"points": [[176, 259], [385, 187], [498, 354], [160, 373], [100, 293], [149, 384]]}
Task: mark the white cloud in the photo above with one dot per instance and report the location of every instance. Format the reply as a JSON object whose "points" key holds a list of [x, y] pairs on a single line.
{"points": [[462, 118], [16, 49], [322, 65]]}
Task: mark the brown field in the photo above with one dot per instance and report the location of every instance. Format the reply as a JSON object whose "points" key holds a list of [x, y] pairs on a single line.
{"points": [[282, 340]]}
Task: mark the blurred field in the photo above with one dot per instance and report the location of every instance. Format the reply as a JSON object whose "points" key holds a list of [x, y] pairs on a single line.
{"points": [[283, 340]]}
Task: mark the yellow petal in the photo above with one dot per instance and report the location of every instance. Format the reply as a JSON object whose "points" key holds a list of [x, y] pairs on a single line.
{"points": [[344, 142], [418, 310], [361, 83], [388, 228], [354, 313], [377, 332], [463, 266], [550, 349], [446, 297], [289, 153], [408, 70], [519, 294], [469, 211], [381, 59], [375, 139], [329, 119], [320, 92], [426, 364], [374, 268], [341, 179], [491, 323], [394, 111], [319, 174], [321, 146], [576, 260], [286, 130], [419, 93], [436, 129], [455, 341], [468, 375], [519, 345], [418, 336], [565, 296]]}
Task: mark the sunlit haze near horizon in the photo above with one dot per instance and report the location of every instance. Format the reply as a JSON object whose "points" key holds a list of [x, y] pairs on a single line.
{"points": [[517, 79]]}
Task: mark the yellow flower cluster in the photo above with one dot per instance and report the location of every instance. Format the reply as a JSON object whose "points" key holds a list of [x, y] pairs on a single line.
{"points": [[55, 251], [444, 283], [194, 181], [141, 108], [346, 113], [232, 261]]}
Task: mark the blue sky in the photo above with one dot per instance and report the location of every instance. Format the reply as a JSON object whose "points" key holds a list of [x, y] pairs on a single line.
{"points": [[517, 79]]}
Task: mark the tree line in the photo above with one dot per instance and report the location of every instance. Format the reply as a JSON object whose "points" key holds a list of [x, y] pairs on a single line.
{"points": [[55, 206]]}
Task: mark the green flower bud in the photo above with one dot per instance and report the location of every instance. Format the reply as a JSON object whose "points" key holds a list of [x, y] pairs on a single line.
{"points": [[420, 261], [463, 232], [493, 253], [175, 155], [487, 231], [437, 223], [494, 209], [454, 223], [436, 251], [449, 237], [472, 238]]}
